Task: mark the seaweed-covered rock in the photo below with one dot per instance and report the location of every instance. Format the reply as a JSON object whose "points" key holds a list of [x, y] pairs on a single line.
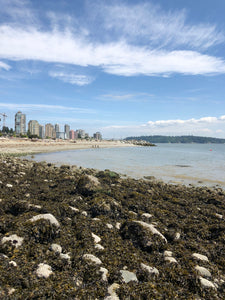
{"points": [[143, 235]]}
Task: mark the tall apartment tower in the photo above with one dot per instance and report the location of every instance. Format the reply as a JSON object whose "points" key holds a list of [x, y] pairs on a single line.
{"points": [[41, 131], [20, 123], [33, 127], [50, 131], [57, 128], [67, 131]]}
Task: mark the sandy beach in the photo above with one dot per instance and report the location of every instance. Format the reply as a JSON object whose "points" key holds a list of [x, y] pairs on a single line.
{"points": [[26, 146]]}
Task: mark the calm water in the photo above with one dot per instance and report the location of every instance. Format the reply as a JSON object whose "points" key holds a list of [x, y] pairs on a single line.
{"points": [[202, 164]]}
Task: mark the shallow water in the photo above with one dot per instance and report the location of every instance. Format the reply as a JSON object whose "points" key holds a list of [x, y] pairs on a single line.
{"points": [[199, 164]]}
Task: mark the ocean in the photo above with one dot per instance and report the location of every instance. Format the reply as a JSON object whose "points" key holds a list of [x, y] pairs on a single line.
{"points": [[198, 164]]}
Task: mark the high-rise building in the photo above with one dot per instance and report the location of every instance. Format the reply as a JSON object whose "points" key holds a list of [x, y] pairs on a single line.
{"points": [[97, 136], [41, 131], [33, 127], [20, 123], [50, 131], [67, 131], [72, 135], [80, 133], [57, 128]]}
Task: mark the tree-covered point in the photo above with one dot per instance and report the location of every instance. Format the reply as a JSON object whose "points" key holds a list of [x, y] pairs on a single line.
{"points": [[177, 139]]}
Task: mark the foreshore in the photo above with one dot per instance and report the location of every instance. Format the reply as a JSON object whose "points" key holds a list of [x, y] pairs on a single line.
{"points": [[73, 233], [19, 146]]}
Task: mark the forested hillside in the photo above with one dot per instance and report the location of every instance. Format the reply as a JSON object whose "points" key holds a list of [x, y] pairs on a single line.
{"points": [[177, 139]]}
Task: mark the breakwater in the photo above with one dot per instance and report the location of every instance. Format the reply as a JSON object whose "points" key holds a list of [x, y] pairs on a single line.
{"points": [[75, 233]]}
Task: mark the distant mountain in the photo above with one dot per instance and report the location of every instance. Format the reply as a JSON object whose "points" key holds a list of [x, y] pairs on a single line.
{"points": [[177, 139]]}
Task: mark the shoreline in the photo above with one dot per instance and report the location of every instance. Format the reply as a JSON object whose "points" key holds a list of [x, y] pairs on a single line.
{"points": [[20, 147], [65, 229]]}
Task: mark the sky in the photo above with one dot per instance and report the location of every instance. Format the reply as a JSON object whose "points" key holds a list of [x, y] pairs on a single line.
{"points": [[124, 68]]}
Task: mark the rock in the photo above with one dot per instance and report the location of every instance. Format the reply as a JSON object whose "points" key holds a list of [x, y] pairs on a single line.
{"points": [[9, 185], [92, 258], [109, 226], [170, 259], [99, 247], [128, 276], [104, 272], [146, 215], [43, 270], [203, 271], [150, 270], [112, 292], [96, 238], [65, 256], [13, 263], [143, 235], [88, 184], [200, 257], [48, 217], [14, 239], [56, 248], [206, 283]]}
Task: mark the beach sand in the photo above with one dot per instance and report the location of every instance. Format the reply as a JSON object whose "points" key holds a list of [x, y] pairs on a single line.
{"points": [[26, 146]]}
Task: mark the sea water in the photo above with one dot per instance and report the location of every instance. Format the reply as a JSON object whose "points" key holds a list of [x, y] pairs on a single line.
{"points": [[199, 164]]}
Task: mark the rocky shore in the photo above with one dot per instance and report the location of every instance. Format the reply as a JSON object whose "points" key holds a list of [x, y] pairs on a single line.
{"points": [[74, 233]]}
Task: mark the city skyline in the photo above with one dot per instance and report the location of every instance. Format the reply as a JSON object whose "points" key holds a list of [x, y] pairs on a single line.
{"points": [[122, 68], [34, 128]]}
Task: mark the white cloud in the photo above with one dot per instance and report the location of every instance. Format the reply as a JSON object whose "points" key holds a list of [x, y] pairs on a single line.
{"points": [[4, 66], [148, 22], [72, 78], [203, 126], [51, 108], [116, 58]]}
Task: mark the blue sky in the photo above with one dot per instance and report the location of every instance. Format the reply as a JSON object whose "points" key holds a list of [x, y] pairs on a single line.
{"points": [[120, 67]]}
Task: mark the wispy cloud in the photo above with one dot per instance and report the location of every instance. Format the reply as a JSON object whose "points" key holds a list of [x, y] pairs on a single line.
{"points": [[52, 108], [4, 66], [115, 58], [149, 23], [140, 39], [72, 78], [125, 97]]}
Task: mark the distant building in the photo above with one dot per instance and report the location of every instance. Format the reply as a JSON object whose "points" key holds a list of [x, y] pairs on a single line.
{"points": [[50, 131], [57, 128], [97, 136], [60, 135], [72, 135], [20, 123], [80, 133], [33, 127], [41, 131], [67, 131]]}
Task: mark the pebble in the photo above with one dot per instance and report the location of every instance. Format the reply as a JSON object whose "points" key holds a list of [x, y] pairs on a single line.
{"points": [[9, 185], [14, 239], [56, 248], [92, 258], [200, 257], [112, 292], [110, 226], [13, 263], [44, 270], [206, 283], [104, 272], [203, 271], [150, 270], [96, 238], [99, 247], [128, 276]]}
